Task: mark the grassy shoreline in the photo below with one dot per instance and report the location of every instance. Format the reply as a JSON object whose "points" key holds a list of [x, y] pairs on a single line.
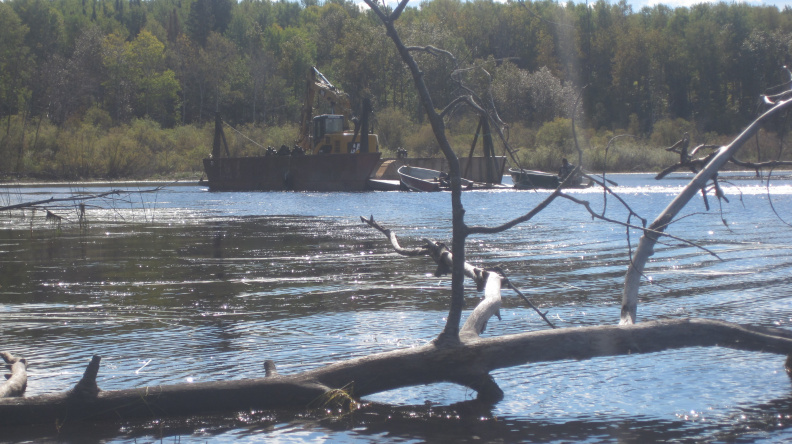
{"points": [[141, 150]]}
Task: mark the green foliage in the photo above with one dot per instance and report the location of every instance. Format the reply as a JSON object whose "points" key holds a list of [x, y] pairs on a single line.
{"points": [[422, 142], [393, 127], [667, 132], [557, 136], [41, 16], [138, 83], [157, 86], [206, 17], [533, 97], [628, 155], [90, 148], [77, 154], [106, 76], [14, 60]]}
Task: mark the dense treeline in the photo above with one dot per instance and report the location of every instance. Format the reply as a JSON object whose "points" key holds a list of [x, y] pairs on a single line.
{"points": [[123, 88]]}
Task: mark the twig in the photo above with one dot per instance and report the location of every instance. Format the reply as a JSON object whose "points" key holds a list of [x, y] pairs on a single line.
{"points": [[39, 203], [647, 231], [509, 284], [421, 251]]}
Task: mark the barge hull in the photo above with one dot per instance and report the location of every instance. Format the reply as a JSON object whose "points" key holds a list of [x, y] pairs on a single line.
{"points": [[320, 172]]}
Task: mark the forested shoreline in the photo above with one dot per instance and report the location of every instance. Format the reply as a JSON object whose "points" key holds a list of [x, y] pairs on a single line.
{"points": [[129, 88]]}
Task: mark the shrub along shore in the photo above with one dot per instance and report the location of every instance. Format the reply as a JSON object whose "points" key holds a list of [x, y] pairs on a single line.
{"points": [[92, 149]]}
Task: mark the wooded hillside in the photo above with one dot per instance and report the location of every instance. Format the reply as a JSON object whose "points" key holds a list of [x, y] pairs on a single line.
{"points": [[73, 68]]}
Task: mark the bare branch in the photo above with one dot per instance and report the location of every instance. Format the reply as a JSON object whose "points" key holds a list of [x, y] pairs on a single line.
{"points": [[385, 19], [422, 251], [542, 205], [516, 221], [508, 283], [761, 165], [585, 204], [772, 99], [469, 100], [16, 382], [76, 201], [399, 9], [39, 203], [488, 307], [433, 50], [444, 260]]}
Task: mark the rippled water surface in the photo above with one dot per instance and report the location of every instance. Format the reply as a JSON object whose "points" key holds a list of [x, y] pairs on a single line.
{"points": [[183, 285]]}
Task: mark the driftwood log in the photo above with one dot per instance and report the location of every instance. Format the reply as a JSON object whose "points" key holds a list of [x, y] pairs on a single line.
{"points": [[468, 363]]}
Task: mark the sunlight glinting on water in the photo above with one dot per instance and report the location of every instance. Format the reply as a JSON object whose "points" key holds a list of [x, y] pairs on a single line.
{"points": [[194, 286]]}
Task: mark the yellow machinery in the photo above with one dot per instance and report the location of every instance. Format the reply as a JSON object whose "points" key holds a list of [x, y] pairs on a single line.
{"points": [[331, 133]]}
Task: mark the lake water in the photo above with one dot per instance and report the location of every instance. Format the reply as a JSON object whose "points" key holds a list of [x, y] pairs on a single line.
{"points": [[185, 285]]}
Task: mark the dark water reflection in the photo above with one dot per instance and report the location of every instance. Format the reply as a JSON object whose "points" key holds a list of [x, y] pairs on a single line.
{"points": [[186, 285]]}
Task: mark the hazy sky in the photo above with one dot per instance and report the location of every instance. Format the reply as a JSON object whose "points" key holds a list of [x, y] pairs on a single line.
{"points": [[638, 4]]}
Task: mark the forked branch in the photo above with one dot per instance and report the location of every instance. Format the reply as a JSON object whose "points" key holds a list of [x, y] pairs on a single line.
{"points": [[489, 281]]}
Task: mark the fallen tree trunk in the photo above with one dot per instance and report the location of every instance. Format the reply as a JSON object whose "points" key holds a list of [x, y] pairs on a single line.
{"points": [[467, 364]]}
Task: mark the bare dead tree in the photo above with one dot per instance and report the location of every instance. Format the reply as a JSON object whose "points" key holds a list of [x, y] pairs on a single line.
{"points": [[709, 168], [483, 107]]}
